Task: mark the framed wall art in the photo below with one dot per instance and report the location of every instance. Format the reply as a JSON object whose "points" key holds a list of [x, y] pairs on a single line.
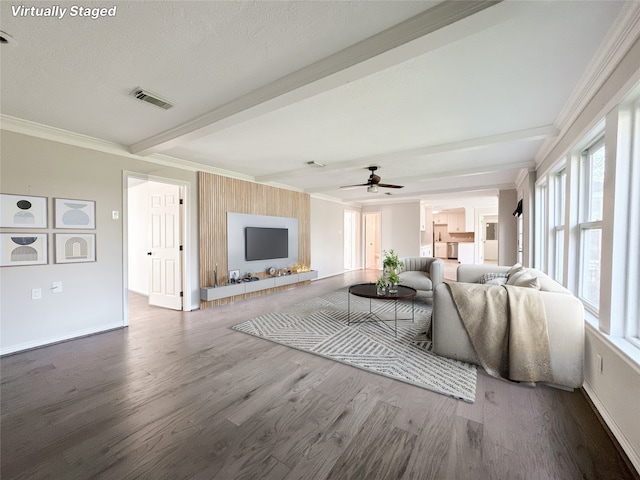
{"points": [[75, 247], [18, 249], [23, 211], [76, 214]]}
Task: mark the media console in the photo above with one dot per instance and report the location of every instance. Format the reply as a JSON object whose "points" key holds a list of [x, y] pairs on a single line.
{"points": [[216, 293]]}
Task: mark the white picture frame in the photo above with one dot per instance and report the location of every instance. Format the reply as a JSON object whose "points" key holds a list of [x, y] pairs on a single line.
{"points": [[75, 247], [20, 249], [75, 214], [23, 211]]}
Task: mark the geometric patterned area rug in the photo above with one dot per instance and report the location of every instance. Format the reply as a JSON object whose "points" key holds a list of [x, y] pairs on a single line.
{"points": [[319, 326]]}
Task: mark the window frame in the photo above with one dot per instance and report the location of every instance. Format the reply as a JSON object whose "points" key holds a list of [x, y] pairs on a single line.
{"points": [[586, 223]]}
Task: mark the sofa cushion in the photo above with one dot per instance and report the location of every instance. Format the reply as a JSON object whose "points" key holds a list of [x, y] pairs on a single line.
{"points": [[416, 279]]}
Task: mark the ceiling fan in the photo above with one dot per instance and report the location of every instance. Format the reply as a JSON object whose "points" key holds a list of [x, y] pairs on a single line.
{"points": [[373, 183]]}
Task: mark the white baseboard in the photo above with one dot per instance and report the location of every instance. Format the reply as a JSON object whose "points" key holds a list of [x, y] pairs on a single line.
{"points": [[57, 339], [633, 455]]}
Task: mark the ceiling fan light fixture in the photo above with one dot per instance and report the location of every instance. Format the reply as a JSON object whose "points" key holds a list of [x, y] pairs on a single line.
{"points": [[372, 189], [6, 39]]}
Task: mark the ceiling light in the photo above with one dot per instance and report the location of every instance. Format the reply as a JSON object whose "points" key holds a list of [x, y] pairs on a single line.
{"points": [[372, 189], [6, 39], [313, 163]]}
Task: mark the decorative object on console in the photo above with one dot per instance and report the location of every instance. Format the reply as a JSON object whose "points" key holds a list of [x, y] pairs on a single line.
{"points": [[234, 276]]}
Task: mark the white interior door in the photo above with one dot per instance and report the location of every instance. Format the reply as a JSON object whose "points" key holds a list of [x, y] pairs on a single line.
{"points": [[165, 288], [350, 236]]}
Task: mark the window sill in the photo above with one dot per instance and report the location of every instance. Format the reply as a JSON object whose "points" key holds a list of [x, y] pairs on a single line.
{"points": [[625, 349]]}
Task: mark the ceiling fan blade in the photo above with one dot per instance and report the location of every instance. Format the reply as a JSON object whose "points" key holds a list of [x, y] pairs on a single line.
{"points": [[386, 185], [354, 186]]}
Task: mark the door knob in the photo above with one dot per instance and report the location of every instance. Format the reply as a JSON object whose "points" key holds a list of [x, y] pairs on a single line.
{"points": [[149, 253]]}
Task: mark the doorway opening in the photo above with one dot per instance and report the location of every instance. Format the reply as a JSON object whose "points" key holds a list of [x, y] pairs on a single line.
{"points": [[156, 233], [489, 244], [350, 240], [372, 241]]}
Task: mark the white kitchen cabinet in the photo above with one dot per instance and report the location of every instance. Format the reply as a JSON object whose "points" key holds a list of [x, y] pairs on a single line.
{"points": [[466, 253], [440, 218], [456, 222], [441, 249]]}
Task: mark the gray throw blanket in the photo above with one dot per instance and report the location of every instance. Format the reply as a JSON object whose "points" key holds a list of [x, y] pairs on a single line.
{"points": [[507, 327]]}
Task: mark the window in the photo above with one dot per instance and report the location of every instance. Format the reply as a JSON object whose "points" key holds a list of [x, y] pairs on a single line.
{"points": [[590, 225], [632, 326], [556, 267], [541, 228]]}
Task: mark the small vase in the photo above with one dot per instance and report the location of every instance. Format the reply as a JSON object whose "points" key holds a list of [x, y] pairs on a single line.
{"points": [[393, 288], [381, 290]]}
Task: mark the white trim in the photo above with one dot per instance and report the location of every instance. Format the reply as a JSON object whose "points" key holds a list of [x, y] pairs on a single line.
{"points": [[622, 35], [33, 129], [634, 456], [61, 338], [185, 190]]}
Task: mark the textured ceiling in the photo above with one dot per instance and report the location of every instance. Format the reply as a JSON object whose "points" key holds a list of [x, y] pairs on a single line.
{"points": [[262, 88]]}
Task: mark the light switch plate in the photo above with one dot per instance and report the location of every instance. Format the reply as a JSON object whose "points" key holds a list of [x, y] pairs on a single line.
{"points": [[36, 294]]}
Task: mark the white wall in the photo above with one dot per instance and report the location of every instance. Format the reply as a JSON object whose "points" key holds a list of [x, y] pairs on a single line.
{"points": [[400, 227], [327, 237], [92, 299]]}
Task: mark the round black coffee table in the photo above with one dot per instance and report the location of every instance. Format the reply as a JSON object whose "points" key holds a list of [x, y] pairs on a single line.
{"points": [[370, 291]]}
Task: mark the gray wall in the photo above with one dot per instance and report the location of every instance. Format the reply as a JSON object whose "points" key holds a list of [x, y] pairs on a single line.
{"points": [[327, 237], [399, 227], [92, 296], [507, 227]]}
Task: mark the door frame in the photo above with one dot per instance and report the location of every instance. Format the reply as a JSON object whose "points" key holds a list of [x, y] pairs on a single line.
{"points": [[185, 235]]}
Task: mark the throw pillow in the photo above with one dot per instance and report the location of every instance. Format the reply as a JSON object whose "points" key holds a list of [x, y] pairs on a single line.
{"points": [[493, 278], [526, 280], [516, 268], [513, 276]]}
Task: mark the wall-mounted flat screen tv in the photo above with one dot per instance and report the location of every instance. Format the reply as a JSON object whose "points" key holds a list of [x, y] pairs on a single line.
{"points": [[265, 243]]}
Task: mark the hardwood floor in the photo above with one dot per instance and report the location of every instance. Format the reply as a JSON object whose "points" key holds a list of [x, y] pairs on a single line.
{"points": [[180, 395]]}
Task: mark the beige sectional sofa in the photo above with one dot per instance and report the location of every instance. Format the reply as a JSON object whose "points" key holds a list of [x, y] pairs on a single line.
{"points": [[565, 323], [422, 273]]}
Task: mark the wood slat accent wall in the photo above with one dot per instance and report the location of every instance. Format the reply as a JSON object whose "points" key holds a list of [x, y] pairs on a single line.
{"points": [[219, 195]]}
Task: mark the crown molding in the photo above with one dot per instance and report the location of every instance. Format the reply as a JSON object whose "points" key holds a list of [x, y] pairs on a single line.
{"points": [[46, 132], [620, 38]]}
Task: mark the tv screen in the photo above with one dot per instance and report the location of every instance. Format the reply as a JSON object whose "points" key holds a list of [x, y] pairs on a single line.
{"points": [[266, 243]]}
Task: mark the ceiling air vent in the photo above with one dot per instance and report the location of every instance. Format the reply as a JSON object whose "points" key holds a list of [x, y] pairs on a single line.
{"points": [[152, 98]]}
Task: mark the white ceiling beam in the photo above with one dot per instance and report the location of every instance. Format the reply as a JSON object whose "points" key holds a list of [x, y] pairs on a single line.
{"points": [[457, 173], [395, 45], [531, 134]]}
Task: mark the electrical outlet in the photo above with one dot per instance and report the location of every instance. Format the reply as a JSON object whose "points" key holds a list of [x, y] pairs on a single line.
{"points": [[56, 287], [36, 294], [600, 363]]}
